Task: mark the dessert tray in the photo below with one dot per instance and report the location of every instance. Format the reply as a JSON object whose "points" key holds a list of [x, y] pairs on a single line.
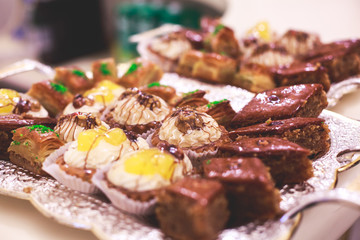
{"points": [[95, 212]]}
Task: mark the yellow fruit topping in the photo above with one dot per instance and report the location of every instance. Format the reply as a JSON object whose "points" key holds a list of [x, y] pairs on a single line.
{"points": [[103, 92], [261, 30], [8, 100], [89, 139], [149, 162]]}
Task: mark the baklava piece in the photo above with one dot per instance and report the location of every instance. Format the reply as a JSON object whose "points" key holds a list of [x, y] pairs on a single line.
{"points": [[210, 67], [310, 133], [53, 96], [305, 100], [105, 69], [73, 78], [192, 99], [254, 77], [167, 93], [31, 145], [141, 72], [221, 111], [341, 59], [250, 191], [270, 55], [288, 162], [192, 209], [137, 111], [302, 73], [299, 43], [168, 49], [8, 123]]}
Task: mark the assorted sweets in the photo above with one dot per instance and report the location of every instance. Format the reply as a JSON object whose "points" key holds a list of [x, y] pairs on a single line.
{"points": [[260, 60], [200, 166]]}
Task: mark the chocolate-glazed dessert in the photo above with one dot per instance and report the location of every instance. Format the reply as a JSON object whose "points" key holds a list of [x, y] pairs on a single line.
{"points": [[192, 209], [310, 133], [250, 190], [305, 100], [137, 111], [288, 162], [195, 132], [31, 145]]}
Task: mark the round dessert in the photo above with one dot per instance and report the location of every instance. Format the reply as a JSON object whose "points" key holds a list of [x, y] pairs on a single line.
{"points": [[195, 132], [132, 182], [70, 126], [75, 165], [137, 111], [13, 102], [95, 100]]}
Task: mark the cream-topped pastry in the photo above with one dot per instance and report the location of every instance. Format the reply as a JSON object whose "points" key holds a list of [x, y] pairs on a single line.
{"points": [[71, 125], [147, 170], [13, 102], [137, 111], [188, 128], [95, 99], [95, 148]]}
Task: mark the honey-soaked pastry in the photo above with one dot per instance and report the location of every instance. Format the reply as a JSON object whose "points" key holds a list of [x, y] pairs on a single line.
{"points": [[287, 161], [250, 190], [137, 111], [221, 111], [196, 133], [70, 126], [31, 145], [140, 72], [53, 96], [73, 78], [302, 73], [96, 99], [271, 55], [133, 182], [310, 133], [299, 43], [199, 205], [304, 100], [192, 99], [104, 69], [167, 93]]}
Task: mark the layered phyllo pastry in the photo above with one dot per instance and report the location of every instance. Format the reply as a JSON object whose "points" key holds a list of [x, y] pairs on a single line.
{"points": [[195, 132], [304, 100], [104, 69], [168, 49], [73, 78], [167, 93], [137, 111], [96, 99], [53, 96], [299, 43], [199, 205], [210, 67], [31, 145], [70, 126], [75, 164], [133, 182], [192, 99], [271, 55], [221, 111], [140, 72], [250, 190]]}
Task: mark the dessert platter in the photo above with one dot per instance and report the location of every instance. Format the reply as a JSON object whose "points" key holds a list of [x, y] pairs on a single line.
{"points": [[215, 141]]}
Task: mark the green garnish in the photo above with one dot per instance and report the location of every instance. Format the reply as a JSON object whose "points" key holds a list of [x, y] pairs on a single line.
{"points": [[58, 87], [133, 67], [16, 142], [104, 69], [222, 53], [211, 104], [13, 131], [218, 28], [79, 73], [36, 158], [21, 134], [40, 128], [155, 84], [189, 93], [208, 161], [26, 143]]}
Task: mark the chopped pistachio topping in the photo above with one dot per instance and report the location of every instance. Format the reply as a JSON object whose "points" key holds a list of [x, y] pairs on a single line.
{"points": [[104, 69], [155, 84], [189, 93], [41, 129], [211, 104], [208, 161], [58, 87], [16, 142], [79, 73], [218, 28], [133, 67]]}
